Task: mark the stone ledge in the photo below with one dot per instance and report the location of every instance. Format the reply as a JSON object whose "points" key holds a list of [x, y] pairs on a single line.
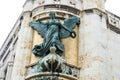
{"points": [[38, 75], [65, 63], [113, 22], [68, 70], [56, 7]]}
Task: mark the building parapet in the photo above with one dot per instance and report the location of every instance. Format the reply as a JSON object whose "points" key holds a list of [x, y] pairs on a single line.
{"points": [[55, 7], [113, 22]]}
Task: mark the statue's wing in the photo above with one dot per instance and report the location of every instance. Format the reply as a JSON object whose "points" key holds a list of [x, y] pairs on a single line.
{"points": [[40, 27], [70, 24], [64, 33]]}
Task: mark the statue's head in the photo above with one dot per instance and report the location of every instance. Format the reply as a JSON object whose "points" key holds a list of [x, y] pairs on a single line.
{"points": [[52, 50], [52, 15]]}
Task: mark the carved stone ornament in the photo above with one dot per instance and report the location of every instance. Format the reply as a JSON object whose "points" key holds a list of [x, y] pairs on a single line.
{"points": [[51, 63]]}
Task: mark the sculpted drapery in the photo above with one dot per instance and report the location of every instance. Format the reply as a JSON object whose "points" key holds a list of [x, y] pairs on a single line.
{"points": [[53, 31]]}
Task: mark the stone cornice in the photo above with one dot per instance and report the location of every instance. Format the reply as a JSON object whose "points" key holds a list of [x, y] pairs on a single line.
{"points": [[49, 74], [59, 7], [113, 22], [96, 11]]}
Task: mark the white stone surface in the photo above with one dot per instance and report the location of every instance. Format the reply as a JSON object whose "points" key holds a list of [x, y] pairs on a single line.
{"points": [[113, 49], [28, 6], [90, 4], [93, 43]]}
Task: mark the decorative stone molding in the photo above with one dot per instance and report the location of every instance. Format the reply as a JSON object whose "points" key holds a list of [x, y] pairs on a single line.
{"points": [[113, 22], [59, 14], [70, 71], [100, 13], [96, 11], [26, 13], [55, 7], [10, 63], [47, 74]]}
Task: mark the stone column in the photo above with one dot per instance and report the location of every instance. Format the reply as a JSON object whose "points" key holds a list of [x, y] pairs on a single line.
{"points": [[10, 65], [2, 71], [2, 74], [9, 70], [93, 58], [23, 48]]}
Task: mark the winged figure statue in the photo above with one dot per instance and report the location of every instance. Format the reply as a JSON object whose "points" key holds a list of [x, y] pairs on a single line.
{"points": [[53, 31]]}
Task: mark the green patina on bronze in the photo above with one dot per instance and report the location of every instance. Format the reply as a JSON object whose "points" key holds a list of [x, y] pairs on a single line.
{"points": [[53, 31]]}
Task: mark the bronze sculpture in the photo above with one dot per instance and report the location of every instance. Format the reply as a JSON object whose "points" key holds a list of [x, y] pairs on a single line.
{"points": [[53, 31]]}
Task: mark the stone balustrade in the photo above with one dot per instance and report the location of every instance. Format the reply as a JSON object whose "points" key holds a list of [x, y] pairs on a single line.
{"points": [[55, 7], [68, 71]]}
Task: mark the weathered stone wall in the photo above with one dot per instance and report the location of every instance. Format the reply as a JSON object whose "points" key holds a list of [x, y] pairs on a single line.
{"points": [[93, 54], [71, 49], [113, 54]]}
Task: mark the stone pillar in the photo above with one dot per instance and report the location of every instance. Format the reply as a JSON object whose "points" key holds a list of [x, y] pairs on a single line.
{"points": [[23, 48], [9, 70], [2, 74], [10, 66], [2, 71], [24, 44], [93, 58]]}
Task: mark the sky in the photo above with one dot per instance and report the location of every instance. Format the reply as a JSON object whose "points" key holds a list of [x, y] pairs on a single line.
{"points": [[11, 9]]}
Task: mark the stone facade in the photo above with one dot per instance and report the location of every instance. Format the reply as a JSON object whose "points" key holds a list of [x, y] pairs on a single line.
{"points": [[95, 50]]}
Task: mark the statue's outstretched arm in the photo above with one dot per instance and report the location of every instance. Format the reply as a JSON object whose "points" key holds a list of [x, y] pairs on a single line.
{"points": [[46, 23]]}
